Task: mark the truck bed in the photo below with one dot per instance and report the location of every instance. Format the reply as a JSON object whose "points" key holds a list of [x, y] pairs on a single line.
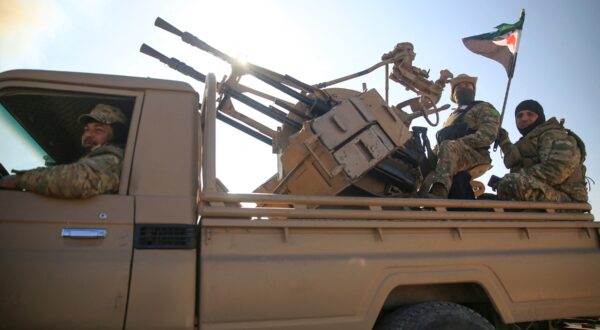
{"points": [[299, 262]]}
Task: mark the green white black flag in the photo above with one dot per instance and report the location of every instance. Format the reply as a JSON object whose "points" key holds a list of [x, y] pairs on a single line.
{"points": [[500, 46]]}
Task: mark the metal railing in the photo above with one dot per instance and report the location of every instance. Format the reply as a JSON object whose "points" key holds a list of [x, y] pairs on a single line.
{"points": [[337, 207]]}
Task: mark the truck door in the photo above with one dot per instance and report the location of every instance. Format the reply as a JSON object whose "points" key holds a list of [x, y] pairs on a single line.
{"points": [[64, 263]]}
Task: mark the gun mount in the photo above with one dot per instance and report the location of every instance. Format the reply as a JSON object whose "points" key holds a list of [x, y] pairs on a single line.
{"points": [[414, 78], [331, 140]]}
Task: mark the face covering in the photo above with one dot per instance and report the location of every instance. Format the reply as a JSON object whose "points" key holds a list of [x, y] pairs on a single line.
{"points": [[464, 96]]}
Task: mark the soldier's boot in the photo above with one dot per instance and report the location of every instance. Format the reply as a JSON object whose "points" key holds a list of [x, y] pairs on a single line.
{"points": [[438, 190]]}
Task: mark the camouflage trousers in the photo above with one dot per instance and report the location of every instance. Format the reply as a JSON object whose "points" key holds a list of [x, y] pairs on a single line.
{"points": [[519, 187], [455, 156]]}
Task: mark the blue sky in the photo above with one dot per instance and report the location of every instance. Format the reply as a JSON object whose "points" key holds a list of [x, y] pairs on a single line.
{"points": [[315, 41]]}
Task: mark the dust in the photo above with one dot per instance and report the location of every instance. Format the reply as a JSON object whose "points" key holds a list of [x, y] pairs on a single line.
{"points": [[25, 26], [19, 15]]}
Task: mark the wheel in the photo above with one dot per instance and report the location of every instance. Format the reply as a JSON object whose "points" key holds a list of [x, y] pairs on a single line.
{"points": [[435, 315]]}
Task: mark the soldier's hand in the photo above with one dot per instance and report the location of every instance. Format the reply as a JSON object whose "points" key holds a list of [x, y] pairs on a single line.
{"points": [[8, 182], [503, 137], [493, 182]]}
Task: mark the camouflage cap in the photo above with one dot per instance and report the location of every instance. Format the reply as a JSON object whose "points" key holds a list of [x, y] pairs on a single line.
{"points": [[105, 114], [461, 78]]}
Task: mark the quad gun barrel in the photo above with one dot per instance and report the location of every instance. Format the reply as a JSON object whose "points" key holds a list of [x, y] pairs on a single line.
{"points": [[332, 140]]}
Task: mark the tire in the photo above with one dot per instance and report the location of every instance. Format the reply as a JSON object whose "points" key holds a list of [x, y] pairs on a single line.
{"points": [[435, 315]]}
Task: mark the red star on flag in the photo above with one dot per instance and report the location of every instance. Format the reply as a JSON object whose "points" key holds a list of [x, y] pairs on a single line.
{"points": [[510, 40], [500, 45]]}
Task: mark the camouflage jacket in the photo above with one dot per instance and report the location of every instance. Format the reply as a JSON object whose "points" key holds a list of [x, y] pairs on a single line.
{"points": [[96, 173], [549, 154], [483, 121]]}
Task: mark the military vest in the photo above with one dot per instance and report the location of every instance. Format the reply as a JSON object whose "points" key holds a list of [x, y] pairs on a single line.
{"points": [[455, 127]]}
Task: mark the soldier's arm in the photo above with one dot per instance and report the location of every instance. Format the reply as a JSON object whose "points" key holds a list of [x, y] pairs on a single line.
{"points": [[512, 155], [8, 182], [559, 155], [488, 121], [86, 178]]}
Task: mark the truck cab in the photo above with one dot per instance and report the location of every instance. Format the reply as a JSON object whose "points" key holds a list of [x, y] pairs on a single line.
{"points": [[69, 263]]}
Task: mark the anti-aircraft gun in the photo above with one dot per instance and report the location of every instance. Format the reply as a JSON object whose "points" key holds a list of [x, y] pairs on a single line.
{"points": [[331, 141]]}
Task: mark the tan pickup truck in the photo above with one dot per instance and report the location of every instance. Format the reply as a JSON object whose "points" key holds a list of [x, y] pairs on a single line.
{"points": [[171, 250]]}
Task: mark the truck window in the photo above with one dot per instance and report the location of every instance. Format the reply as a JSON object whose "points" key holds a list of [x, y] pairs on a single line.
{"points": [[40, 127], [18, 149]]}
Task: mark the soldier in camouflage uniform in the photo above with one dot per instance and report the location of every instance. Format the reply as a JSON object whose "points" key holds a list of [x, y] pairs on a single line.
{"points": [[465, 140], [97, 172], [546, 164]]}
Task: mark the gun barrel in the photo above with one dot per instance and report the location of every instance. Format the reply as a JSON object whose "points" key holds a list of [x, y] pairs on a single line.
{"points": [[291, 109], [300, 84], [192, 40], [269, 111], [319, 105], [173, 63], [153, 53], [257, 135], [161, 23], [191, 72]]}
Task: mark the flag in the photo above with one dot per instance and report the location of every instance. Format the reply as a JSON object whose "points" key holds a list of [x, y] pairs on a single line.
{"points": [[500, 45]]}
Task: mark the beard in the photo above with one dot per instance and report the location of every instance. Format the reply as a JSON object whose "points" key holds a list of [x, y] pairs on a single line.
{"points": [[88, 144]]}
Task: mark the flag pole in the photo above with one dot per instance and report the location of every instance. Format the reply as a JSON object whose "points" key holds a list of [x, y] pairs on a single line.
{"points": [[510, 76], [497, 141]]}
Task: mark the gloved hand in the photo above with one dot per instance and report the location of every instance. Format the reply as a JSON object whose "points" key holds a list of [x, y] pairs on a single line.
{"points": [[503, 138], [493, 182]]}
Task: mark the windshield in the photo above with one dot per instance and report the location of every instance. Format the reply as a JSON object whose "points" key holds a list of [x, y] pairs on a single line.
{"points": [[18, 150]]}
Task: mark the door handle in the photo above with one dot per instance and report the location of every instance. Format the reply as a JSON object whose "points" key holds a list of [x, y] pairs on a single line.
{"points": [[83, 232]]}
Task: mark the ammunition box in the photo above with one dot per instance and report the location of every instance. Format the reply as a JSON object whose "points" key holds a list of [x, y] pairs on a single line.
{"points": [[309, 168], [364, 152], [372, 106], [339, 124]]}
